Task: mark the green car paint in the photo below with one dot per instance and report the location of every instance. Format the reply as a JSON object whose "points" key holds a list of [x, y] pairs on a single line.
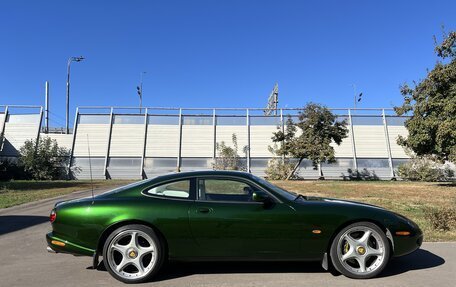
{"points": [[193, 229]]}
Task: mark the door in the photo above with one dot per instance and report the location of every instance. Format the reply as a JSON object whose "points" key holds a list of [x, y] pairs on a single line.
{"points": [[227, 223]]}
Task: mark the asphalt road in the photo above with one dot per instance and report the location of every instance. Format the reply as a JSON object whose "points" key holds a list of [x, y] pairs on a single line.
{"points": [[24, 261]]}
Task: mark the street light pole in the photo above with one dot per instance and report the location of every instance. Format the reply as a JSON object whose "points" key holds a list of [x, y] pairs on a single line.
{"points": [[71, 59], [140, 90], [354, 94]]}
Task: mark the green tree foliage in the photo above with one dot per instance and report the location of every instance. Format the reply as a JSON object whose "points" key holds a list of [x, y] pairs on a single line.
{"points": [[44, 160], [278, 169], [228, 157], [432, 105], [9, 170], [319, 128]]}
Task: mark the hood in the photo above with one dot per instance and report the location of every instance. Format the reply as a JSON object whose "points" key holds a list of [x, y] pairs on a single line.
{"points": [[340, 202]]}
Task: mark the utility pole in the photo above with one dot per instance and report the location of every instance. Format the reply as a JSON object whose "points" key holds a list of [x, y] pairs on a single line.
{"points": [[71, 59], [46, 108], [354, 95]]}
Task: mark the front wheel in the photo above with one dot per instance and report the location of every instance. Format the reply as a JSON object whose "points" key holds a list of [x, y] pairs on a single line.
{"points": [[360, 250], [133, 253]]}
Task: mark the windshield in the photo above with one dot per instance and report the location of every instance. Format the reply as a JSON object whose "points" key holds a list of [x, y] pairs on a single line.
{"points": [[288, 195]]}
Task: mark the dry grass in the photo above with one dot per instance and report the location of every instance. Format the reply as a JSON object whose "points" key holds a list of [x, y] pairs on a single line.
{"points": [[407, 198]]}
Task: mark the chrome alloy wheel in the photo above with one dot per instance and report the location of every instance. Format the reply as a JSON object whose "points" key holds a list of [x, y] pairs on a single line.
{"points": [[132, 254], [361, 250]]}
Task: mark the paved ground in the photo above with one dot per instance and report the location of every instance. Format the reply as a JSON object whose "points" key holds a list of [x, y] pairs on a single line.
{"points": [[25, 262]]}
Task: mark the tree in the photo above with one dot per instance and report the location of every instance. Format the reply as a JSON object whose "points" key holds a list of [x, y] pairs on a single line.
{"points": [[228, 157], [319, 128], [432, 105], [44, 159], [9, 169], [278, 169]]}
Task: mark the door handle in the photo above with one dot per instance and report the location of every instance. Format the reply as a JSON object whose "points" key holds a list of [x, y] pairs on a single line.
{"points": [[204, 209]]}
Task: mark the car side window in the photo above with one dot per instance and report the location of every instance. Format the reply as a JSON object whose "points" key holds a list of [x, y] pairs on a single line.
{"points": [[179, 189], [225, 190]]}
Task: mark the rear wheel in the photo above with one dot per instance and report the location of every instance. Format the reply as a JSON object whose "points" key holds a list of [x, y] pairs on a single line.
{"points": [[133, 253], [360, 250]]}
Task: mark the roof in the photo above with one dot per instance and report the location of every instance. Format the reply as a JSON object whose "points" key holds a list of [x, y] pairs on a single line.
{"points": [[176, 175]]}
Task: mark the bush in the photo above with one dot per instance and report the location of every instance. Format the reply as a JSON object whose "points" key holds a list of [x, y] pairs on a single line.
{"points": [[364, 174], [228, 157], [11, 170], [44, 160], [278, 169], [443, 218], [424, 169]]}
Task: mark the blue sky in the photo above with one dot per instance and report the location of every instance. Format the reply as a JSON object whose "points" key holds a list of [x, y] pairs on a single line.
{"points": [[217, 53]]}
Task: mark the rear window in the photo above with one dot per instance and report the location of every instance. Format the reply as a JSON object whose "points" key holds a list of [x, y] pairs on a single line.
{"points": [[179, 189]]}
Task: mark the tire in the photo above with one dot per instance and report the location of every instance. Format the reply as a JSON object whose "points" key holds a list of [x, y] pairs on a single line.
{"points": [[360, 251], [133, 253]]}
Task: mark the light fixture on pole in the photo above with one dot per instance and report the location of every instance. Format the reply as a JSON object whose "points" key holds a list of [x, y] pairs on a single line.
{"points": [[71, 59], [356, 97], [139, 90]]}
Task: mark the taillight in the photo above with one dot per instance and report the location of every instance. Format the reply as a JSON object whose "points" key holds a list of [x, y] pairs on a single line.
{"points": [[52, 216]]}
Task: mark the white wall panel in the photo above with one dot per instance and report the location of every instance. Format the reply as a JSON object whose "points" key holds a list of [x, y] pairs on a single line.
{"points": [[224, 133], [98, 139], [127, 140], [124, 167], [345, 148], [308, 173], [197, 140], [378, 172], [81, 168], [162, 141], [189, 164], [370, 141], [338, 170], [397, 151], [63, 140], [158, 166], [260, 139], [2, 121], [19, 129]]}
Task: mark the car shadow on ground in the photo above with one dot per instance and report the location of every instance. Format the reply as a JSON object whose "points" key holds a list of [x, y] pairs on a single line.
{"points": [[12, 223], [418, 260], [180, 269]]}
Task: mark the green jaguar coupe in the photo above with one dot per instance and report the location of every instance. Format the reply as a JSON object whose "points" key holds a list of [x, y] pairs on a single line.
{"points": [[226, 215]]}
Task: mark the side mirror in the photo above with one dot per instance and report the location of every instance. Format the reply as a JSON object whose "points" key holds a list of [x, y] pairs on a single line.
{"points": [[262, 197], [259, 197]]}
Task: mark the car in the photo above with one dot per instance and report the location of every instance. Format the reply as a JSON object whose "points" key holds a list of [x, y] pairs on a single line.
{"points": [[226, 216]]}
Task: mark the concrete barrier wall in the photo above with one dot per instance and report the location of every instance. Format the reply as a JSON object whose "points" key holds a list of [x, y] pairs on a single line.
{"points": [[136, 146]]}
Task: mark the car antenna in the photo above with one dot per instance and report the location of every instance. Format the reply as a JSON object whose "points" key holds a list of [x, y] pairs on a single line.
{"points": [[90, 166]]}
